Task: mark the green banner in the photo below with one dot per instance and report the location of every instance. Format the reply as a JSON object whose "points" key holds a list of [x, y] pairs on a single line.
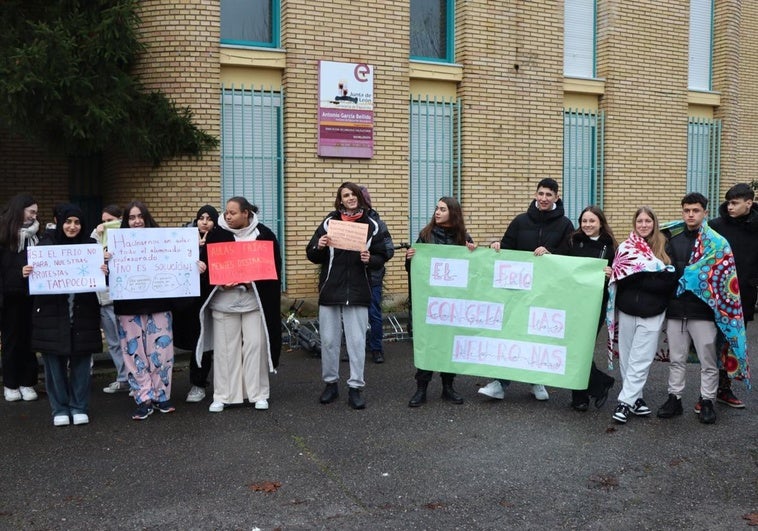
{"points": [[506, 314]]}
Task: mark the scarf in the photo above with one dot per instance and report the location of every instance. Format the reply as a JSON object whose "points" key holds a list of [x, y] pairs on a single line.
{"points": [[248, 233], [633, 256], [712, 276], [27, 236], [355, 216]]}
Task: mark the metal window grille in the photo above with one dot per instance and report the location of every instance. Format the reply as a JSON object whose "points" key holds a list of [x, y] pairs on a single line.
{"points": [[252, 152], [434, 157], [583, 140], [704, 157]]}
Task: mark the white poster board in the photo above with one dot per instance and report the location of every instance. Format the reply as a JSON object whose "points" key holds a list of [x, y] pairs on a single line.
{"points": [[153, 263], [65, 269]]}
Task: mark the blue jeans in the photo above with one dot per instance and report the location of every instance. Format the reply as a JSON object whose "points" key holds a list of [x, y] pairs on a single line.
{"points": [[67, 381], [375, 319], [110, 330]]}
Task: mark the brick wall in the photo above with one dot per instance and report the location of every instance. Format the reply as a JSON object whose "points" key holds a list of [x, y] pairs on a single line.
{"points": [[643, 55], [182, 60], [350, 32], [512, 91], [27, 168]]}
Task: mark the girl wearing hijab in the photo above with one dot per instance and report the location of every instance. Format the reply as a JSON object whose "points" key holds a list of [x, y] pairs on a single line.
{"points": [[66, 330], [18, 231], [187, 315]]}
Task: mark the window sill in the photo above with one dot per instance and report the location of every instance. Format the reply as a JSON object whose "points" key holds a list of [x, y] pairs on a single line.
{"points": [[699, 97], [582, 85], [438, 71], [248, 56]]}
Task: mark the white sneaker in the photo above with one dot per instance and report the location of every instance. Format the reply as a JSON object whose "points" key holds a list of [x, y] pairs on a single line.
{"points": [[12, 395], [261, 404], [539, 392], [28, 393], [494, 389], [80, 418], [196, 394], [116, 387], [61, 420], [216, 407]]}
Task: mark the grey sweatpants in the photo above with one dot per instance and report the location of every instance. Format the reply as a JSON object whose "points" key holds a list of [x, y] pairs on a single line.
{"points": [[331, 321]]}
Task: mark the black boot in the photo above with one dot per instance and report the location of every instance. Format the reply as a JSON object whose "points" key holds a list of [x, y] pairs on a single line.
{"points": [[580, 400], [448, 393], [330, 394], [354, 398], [420, 396]]}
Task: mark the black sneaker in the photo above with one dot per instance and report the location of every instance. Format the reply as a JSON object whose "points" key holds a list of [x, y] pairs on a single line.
{"points": [[143, 411], [707, 413], [671, 408], [165, 407], [640, 408], [622, 413]]}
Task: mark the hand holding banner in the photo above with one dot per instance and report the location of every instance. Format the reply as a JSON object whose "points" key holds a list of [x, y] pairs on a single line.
{"points": [[508, 315], [241, 262], [65, 269], [347, 235], [153, 263]]}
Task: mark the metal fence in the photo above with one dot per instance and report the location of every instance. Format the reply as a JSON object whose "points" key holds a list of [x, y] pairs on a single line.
{"points": [[583, 169], [704, 157], [252, 152], [434, 157]]}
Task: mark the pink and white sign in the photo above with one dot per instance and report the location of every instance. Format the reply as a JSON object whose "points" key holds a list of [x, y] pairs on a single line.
{"points": [[346, 110]]}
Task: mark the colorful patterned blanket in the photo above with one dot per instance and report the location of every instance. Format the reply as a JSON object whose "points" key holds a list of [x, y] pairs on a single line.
{"points": [[712, 276], [632, 256]]}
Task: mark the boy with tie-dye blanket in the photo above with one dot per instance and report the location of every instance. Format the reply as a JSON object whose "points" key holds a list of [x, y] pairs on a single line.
{"points": [[707, 298]]}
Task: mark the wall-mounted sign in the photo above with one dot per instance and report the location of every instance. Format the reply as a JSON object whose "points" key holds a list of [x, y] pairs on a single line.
{"points": [[346, 110]]}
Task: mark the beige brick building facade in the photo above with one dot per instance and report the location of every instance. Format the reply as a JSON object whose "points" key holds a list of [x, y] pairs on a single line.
{"points": [[508, 73]]}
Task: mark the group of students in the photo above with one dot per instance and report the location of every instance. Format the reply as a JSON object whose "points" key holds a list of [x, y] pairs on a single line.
{"points": [[699, 281], [651, 280], [237, 326]]}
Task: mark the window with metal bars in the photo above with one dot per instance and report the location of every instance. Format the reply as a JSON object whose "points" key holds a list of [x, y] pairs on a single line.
{"points": [[582, 161], [434, 168]]}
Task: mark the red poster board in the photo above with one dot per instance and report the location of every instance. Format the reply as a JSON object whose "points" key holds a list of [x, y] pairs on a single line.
{"points": [[241, 262]]}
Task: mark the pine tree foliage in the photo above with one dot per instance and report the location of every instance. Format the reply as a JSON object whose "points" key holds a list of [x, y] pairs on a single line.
{"points": [[65, 81]]}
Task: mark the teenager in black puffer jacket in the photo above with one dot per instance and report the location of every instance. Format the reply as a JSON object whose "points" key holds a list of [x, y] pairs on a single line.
{"points": [[446, 227], [345, 292], [594, 239], [66, 330]]}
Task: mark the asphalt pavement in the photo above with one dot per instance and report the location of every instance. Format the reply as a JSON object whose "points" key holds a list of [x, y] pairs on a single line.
{"points": [[486, 464]]}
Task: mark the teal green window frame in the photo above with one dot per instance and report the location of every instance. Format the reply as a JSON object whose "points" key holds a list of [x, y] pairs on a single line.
{"points": [[449, 37], [704, 157], [252, 154], [434, 157], [583, 160], [275, 23]]}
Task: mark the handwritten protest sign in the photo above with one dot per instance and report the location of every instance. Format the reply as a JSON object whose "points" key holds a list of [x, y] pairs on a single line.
{"points": [[347, 235], [241, 262], [508, 315], [65, 269], [108, 225], [153, 263]]}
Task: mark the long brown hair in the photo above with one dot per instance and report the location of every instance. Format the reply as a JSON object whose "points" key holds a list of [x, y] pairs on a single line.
{"points": [[455, 222], [656, 240], [605, 229]]}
